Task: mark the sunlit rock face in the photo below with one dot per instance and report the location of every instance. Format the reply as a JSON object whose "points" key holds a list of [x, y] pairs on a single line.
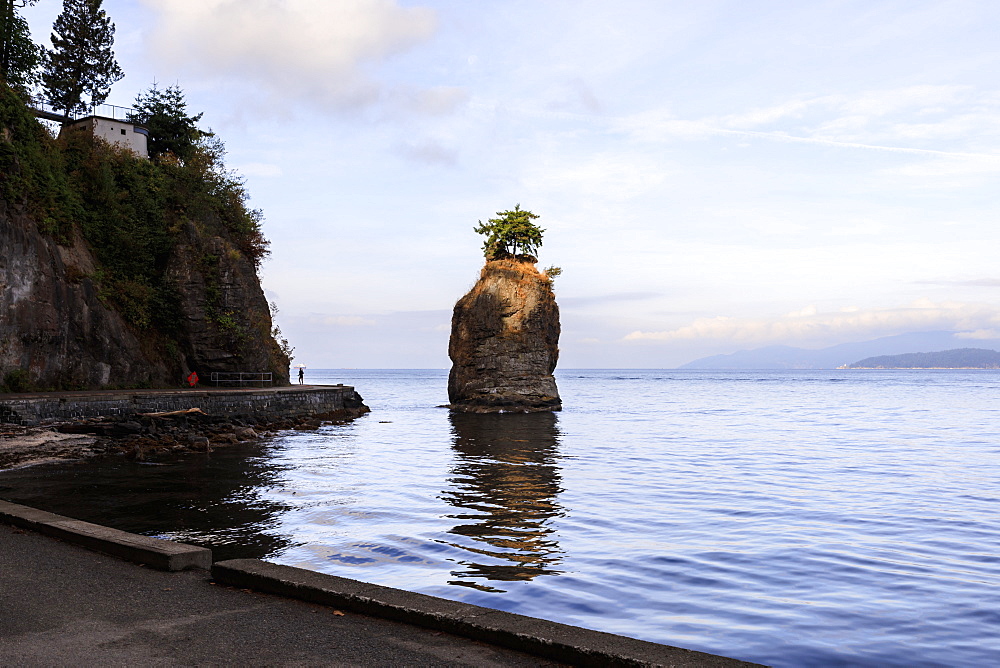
{"points": [[505, 341]]}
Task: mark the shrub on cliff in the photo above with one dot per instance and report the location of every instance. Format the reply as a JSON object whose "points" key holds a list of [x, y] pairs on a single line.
{"points": [[32, 169]]}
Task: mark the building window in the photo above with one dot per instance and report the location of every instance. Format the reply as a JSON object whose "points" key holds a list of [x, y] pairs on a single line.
{"points": [[123, 130]]}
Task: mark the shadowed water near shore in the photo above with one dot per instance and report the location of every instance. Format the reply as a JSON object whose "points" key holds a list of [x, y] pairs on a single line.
{"points": [[209, 500]]}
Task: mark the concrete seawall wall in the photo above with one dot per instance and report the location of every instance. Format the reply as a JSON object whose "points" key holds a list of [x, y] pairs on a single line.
{"points": [[320, 401]]}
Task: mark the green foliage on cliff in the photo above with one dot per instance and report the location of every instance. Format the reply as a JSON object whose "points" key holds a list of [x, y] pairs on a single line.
{"points": [[512, 233], [131, 211]]}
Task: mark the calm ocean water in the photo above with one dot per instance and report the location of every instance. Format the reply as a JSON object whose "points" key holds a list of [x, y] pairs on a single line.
{"points": [[788, 517]]}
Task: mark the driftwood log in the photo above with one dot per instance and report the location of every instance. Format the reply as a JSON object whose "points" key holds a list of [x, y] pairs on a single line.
{"points": [[172, 413]]}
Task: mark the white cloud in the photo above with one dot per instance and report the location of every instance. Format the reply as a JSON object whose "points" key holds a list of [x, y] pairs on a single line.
{"points": [[262, 169], [884, 102], [884, 120], [764, 116], [806, 312], [291, 50], [950, 167], [436, 101], [807, 324], [980, 334], [430, 152], [615, 177], [340, 320]]}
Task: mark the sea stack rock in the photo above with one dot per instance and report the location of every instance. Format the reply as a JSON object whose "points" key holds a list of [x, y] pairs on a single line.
{"points": [[505, 341]]}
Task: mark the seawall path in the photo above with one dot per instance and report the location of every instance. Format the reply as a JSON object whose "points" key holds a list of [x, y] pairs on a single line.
{"points": [[50, 426], [64, 605], [295, 401]]}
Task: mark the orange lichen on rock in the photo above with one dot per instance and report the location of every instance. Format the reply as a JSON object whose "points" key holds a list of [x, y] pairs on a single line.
{"points": [[505, 341]]}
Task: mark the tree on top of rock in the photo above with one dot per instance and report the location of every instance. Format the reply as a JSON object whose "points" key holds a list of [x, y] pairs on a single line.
{"points": [[512, 234], [81, 61]]}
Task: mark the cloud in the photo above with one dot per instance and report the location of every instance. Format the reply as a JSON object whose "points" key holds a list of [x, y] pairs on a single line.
{"points": [[436, 101], [259, 169], [429, 152], [608, 299], [951, 166], [290, 50], [339, 320], [807, 324], [976, 282], [576, 95], [764, 116], [615, 177], [806, 312], [980, 334], [880, 120]]}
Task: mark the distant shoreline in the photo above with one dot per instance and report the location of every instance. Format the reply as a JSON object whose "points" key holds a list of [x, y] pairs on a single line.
{"points": [[919, 368]]}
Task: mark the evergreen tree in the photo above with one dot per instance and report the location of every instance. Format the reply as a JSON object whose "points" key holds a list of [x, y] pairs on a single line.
{"points": [[164, 114], [19, 56], [512, 233], [81, 61]]}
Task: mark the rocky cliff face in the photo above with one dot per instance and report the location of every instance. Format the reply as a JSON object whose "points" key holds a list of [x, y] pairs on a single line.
{"points": [[52, 322], [56, 326], [505, 342], [117, 271], [224, 320]]}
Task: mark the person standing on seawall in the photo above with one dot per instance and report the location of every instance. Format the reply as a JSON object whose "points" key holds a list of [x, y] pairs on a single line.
{"points": [[302, 375]]}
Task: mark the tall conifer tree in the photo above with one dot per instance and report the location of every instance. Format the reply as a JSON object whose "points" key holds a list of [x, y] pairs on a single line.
{"points": [[81, 61], [19, 56], [164, 114]]}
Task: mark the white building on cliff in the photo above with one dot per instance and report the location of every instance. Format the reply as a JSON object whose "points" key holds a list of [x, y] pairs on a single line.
{"points": [[121, 133], [112, 130]]}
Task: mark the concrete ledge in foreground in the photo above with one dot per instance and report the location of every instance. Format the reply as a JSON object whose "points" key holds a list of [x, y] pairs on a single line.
{"points": [[560, 642], [165, 555]]}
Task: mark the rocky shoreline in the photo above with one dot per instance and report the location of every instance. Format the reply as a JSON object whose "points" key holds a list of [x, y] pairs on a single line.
{"points": [[144, 436]]}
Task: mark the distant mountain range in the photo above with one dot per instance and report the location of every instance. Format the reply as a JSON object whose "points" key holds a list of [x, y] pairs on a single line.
{"points": [[960, 358], [845, 354]]}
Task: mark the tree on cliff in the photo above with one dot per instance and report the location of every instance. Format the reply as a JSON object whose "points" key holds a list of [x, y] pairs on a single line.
{"points": [[19, 56], [164, 113], [81, 61], [512, 233]]}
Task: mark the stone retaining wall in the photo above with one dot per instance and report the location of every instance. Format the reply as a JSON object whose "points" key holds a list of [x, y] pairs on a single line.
{"points": [[278, 403]]}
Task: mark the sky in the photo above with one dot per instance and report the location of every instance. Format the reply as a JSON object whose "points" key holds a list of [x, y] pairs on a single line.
{"points": [[711, 176]]}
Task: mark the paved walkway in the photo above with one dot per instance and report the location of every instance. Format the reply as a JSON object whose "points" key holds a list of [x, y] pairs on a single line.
{"points": [[64, 605]]}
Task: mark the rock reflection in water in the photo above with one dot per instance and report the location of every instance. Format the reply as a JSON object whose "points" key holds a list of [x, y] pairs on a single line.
{"points": [[211, 500], [505, 481]]}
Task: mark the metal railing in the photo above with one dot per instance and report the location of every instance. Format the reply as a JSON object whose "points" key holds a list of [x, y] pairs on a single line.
{"points": [[241, 379], [111, 111]]}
